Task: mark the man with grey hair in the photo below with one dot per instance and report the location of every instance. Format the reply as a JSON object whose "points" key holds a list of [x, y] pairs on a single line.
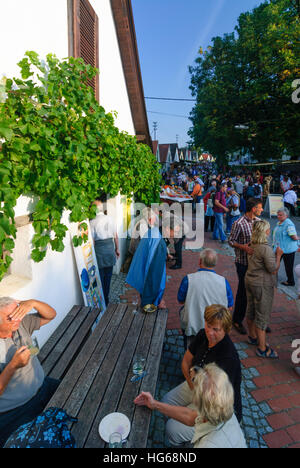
{"points": [[24, 390], [199, 290]]}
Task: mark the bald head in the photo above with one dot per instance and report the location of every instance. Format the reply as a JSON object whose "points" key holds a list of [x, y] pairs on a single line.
{"points": [[208, 258]]}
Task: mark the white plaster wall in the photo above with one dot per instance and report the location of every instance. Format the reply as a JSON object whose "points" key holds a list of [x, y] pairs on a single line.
{"points": [[113, 91], [37, 25], [54, 280]]}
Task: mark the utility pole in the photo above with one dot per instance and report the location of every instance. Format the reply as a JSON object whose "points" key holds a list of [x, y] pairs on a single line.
{"points": [[155, 125]]}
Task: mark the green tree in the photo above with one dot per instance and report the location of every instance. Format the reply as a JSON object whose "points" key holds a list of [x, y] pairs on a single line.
{"points": [[60, 145], [243, 85]]}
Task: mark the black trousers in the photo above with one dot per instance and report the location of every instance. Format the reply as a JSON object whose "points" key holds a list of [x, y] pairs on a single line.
{"points": [[241, 297], [178, 251], [209, 220], [289, 260], [291, 208]]}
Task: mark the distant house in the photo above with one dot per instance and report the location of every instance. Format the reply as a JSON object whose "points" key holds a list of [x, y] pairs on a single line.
{"points": [[165, 156], [206, 157], [194, 156], [185, 155], [182, 154], [174, 152]]}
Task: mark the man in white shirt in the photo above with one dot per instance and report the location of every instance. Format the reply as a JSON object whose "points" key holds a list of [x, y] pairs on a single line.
{"points": [[197, 179], [239, 185], [290, 200], [199, 290], [104, 233]]}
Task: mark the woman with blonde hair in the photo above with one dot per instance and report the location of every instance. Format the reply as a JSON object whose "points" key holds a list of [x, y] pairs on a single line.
{"points": [[211, 412], [211, 345], [260, 281]]}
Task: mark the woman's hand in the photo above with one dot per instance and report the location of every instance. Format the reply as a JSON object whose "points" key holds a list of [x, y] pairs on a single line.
{"points": [[145, 399], [279, 252], [248, 249]]}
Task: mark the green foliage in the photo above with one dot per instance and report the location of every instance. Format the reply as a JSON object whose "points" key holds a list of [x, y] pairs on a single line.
{"points": [[246, 78], [60, 145]]}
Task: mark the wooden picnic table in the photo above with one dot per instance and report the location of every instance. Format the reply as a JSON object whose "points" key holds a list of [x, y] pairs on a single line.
{"points": [[99, 381]]}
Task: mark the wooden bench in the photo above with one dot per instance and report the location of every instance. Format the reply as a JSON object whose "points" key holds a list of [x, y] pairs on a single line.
{"points": [[59, 352], [99, 380]]}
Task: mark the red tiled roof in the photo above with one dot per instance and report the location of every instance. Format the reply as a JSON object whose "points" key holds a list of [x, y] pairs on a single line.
{"points": [[163, 150], [206, 155]]}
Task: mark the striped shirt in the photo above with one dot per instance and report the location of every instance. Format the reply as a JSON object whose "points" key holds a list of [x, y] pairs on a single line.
{"points": [[241, 233]]}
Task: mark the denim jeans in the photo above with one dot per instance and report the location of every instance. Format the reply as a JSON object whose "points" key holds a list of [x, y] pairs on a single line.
{"points": [[11, 420], [218, 228], [229, 221]]}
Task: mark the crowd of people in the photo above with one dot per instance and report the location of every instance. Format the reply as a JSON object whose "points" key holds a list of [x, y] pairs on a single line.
{"points": [[206, 408], [233, 209]]}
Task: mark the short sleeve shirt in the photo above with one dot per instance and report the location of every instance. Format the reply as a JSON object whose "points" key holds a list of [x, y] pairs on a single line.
{"points": [[282, 236], [102, 227], [220, 196], [27, 380]]}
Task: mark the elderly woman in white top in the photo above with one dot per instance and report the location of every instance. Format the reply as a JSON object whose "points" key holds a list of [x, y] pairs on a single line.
{"points": [[211, 413], [104, 233]]}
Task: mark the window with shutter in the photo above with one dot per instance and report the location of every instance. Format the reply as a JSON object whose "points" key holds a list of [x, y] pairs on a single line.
{"points": [[85, 37]]}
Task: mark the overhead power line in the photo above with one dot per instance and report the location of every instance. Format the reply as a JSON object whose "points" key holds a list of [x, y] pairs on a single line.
{"points": [[171, 115], [170, 99]]}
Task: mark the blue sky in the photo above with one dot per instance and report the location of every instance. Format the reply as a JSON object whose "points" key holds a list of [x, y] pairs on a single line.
{"points": [[169, 35]]}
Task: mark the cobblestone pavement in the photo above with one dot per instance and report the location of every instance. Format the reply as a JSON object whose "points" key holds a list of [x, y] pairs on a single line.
{"points": [[270, 389]]}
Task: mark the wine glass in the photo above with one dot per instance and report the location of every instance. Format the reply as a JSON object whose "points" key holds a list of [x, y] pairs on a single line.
{"points": [[135, 301]]}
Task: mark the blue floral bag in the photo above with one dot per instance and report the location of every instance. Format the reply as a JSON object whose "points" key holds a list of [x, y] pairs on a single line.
{"points": [[48, 430]]}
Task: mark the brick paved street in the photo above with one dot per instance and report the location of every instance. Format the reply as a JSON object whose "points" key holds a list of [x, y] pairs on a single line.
{"points": [[270, 389]]}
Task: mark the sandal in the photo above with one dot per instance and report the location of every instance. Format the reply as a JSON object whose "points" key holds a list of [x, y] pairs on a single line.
{"points": [[252, 341], [264, 354]]}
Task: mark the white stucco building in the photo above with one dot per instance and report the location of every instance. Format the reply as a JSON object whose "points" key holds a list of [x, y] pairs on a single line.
{"points": [[58, 27]]}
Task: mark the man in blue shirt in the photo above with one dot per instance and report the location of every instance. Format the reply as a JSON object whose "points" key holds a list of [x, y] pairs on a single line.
{"points": [[199, 290]]}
